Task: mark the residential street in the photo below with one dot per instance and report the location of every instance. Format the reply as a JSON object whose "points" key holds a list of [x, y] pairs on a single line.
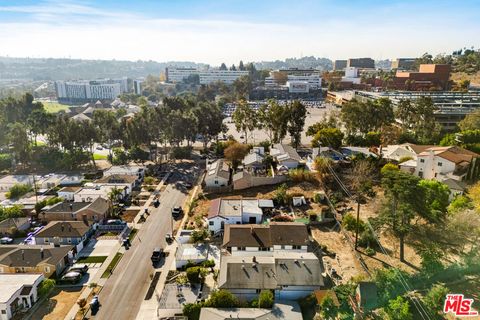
{"points": [[125, 290]]}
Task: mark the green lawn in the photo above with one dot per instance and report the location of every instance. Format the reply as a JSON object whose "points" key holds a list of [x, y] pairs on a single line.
{"points": [[97, 156], [99, 259], [54, 107], [112, 265]]}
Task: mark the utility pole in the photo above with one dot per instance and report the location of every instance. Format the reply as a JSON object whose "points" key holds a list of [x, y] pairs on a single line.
{"points": [[358, 222]]}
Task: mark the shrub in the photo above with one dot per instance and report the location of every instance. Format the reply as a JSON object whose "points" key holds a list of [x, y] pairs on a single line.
{"points": [[389, 167], [370, 252], [300, 175], [367, 239], [282, 218], [317, 198], [192, 310], [265, 299], [208, 263], [45, 287], [149, 180], [350, 223], [199, 235], [136, 153], [222, 299], [281, 196], [18, 190], [193, 274], [5, 161]]}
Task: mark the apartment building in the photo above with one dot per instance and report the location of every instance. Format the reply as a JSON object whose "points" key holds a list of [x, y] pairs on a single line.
{"points": [[403, 63]]}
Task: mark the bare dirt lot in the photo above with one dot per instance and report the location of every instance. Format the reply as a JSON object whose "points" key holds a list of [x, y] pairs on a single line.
{"points": [[58, 305], [345, 262]]}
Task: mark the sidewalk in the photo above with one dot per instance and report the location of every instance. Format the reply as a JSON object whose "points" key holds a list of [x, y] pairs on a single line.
{"points": [[97, 279]]}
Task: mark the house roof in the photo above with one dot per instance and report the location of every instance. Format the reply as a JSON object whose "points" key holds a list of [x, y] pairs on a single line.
{"points": [[281, 269], [454, 154], [12, 282], [281, 310], [454, 184], [64, 229], [253, 158], [98, 205], [285, 152], [68, 207], [276, 233], [123, 170], [70, 189], [417, 148], [13, 222], [81, 117], [118, 178], [233, 207], [219, 168], [409, 163], [31, 256]]}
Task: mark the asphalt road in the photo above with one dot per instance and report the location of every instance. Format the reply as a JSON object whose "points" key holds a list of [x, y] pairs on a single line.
{"points": [[124, 291]]}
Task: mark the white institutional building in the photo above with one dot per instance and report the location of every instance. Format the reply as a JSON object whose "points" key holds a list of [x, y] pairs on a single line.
{"points": [[207, 76], [90, 90]]}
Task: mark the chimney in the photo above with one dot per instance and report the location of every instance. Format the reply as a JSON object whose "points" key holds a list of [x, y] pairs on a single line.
{"points": [[42, 255]]}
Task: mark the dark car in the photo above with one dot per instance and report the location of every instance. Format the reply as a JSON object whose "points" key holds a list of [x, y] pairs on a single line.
{"points": [[157, 254], [82, 270], [71, 277], [169, 239], [177, 210]]}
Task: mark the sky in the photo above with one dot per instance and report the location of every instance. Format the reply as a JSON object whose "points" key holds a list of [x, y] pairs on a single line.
{"points": [[232, 30]]}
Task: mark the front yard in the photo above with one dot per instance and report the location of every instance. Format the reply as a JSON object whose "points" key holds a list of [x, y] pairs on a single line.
{"points": [[58, 304]]}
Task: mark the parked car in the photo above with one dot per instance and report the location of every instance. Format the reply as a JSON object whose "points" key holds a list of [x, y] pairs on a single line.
{"points": [[115, 222], [168, 238], [82, 270], [157, 254], [71, 277], [6, 240], [177, 210]]}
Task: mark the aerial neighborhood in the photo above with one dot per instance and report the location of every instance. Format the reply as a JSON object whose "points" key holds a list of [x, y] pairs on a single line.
{"points": [[297, 188]]}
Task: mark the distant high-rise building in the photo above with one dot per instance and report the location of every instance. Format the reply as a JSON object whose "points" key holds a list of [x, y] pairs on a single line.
{"points": [[361, 63], [90, 90], [339, 64], [137, 86], [403, 63]]}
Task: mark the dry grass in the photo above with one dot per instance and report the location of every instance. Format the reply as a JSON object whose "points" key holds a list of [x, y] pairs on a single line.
{"points": [[474, 78], [58, 305]]}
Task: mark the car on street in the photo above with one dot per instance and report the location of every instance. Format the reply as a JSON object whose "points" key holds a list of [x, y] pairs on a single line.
{"points": [[177, 210], [157, 254], [168, 238], [6, 240]]}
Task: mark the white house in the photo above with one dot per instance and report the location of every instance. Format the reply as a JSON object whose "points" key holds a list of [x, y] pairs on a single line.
{"points": [[19, 292], [195, 253], [285, 155], [289, 275], [399, 151], [68, 193], [234, 211], [441, 163], [136, 171], [218, 174], [93, 191], [264, 240], [121, 181]]}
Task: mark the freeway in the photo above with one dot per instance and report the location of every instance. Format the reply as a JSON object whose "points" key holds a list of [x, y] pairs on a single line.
{"points": [[124, 291]]}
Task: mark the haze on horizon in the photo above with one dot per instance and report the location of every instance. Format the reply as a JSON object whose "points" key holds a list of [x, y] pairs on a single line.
{"points": [[228, 31]]}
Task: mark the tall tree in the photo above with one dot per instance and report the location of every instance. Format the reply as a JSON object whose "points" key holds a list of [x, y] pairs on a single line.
{"points": [[404, 201], [18, 138], [241, 67], [245, 118], [273, 118], [363, 117], [38, 122], [328, 137], [297, 112], [471, 121], [223, 66]]}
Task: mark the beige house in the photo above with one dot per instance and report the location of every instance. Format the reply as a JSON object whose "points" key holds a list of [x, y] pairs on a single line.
{"points": [[34, 259]]}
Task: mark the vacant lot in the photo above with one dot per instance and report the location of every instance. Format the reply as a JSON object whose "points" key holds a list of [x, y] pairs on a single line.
{"points": [[345, 262], [58, 305], [54, 107]]}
